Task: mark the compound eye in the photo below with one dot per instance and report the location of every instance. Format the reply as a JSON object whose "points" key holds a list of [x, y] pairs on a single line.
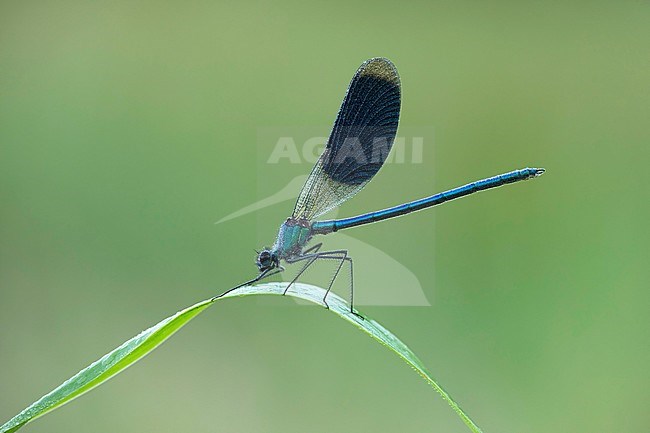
{"points": [[264, 259]]}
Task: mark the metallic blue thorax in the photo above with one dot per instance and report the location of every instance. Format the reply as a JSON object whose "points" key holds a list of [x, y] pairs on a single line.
{"points": [[292, 237]]}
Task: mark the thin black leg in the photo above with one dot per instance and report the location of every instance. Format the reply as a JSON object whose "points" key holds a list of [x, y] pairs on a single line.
{"points": [[313, 249], [344, 256], [309, 254], [310, 260], [348, 259], [341, 255], [262, 275]]}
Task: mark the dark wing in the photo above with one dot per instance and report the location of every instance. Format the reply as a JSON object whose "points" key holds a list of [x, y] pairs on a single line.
{"points": [[360, 141]]}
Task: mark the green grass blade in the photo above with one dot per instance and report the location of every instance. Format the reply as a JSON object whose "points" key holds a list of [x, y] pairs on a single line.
{"points": [[375, 330], [139, 346], [106, 367]]}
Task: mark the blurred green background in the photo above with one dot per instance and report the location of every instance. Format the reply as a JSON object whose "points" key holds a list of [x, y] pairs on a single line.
{"points": [[128, 128]]}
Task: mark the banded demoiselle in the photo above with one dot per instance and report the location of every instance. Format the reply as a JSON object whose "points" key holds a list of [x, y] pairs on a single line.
{"points": [[357, 147]]}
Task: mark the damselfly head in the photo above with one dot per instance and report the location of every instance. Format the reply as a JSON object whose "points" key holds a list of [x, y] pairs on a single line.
{"points": [[266, 259]]}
